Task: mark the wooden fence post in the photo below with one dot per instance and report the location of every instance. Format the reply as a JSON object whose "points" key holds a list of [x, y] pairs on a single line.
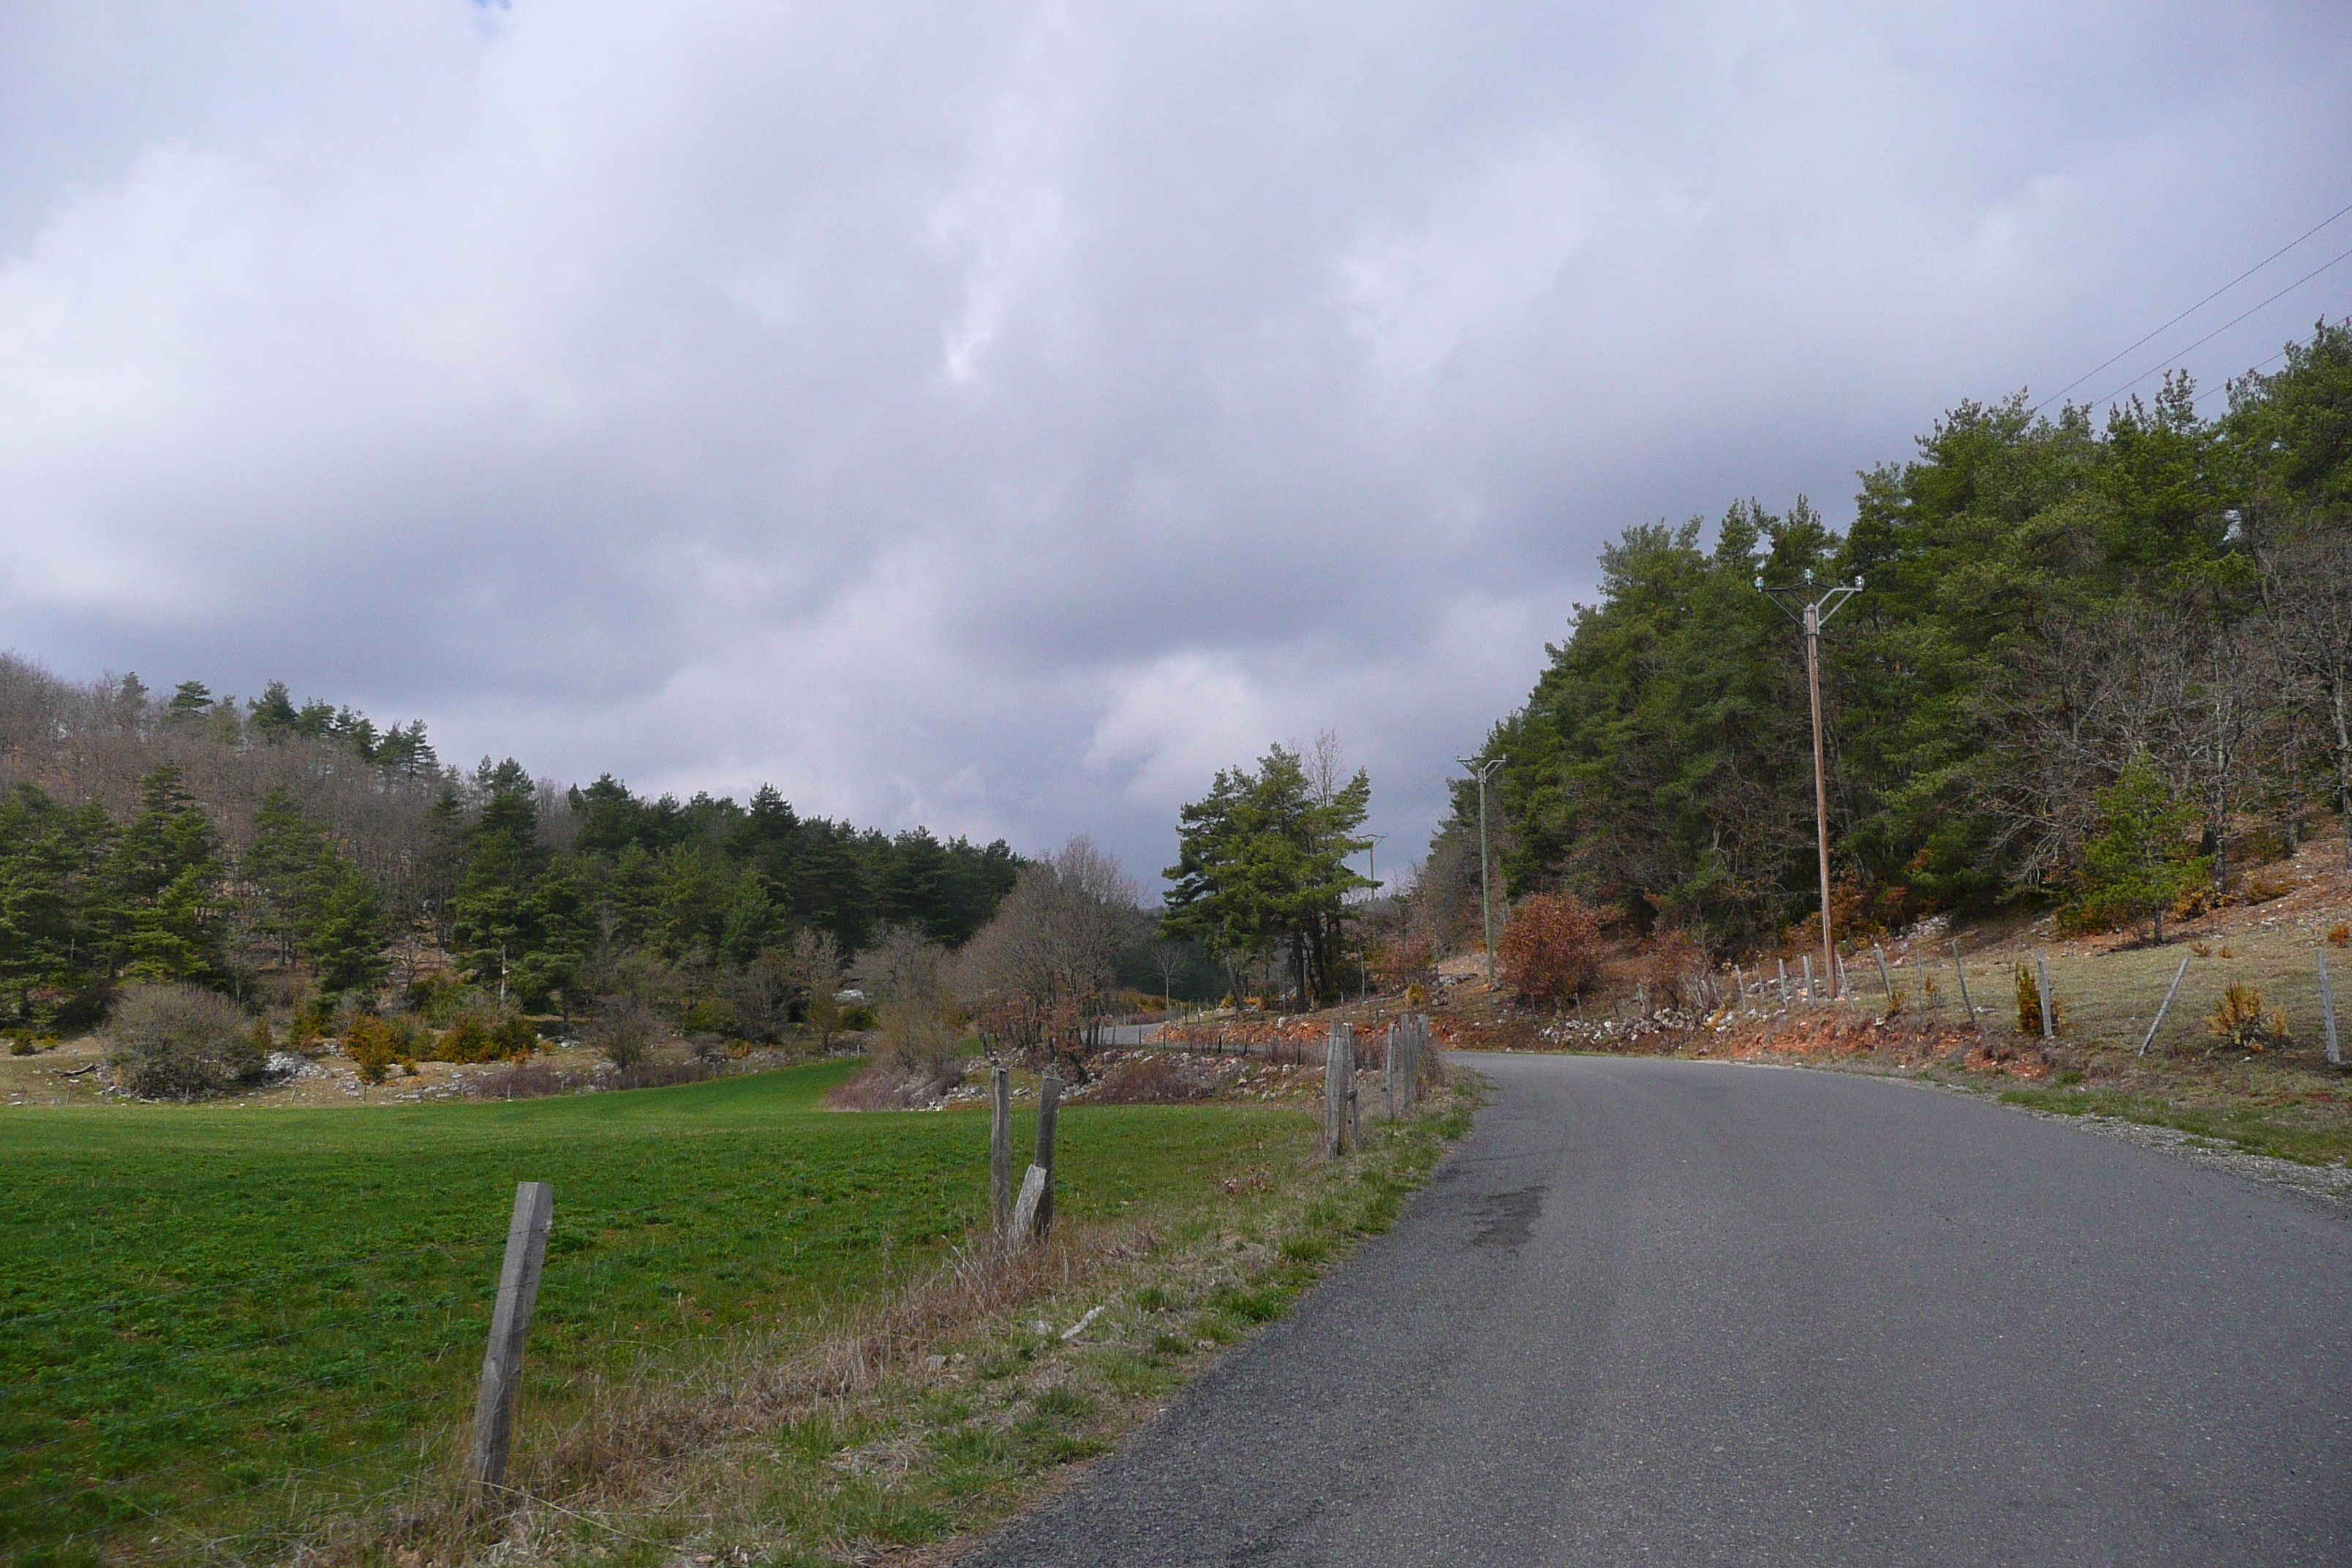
{"points": [[2162, 1008], [1962, 970], [1414, 1026], [1339, 1047], [1049, 1112], [1388, 1069], [1808, 976], [2041, 970], [1355, 1096], [999, 1152], [1739, 984], [494, 1408], [2328, 1013], [1885, 979]]}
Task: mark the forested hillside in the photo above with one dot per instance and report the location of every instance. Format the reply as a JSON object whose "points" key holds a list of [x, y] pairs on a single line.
{"points": [[2083, 650], [263, 845]]}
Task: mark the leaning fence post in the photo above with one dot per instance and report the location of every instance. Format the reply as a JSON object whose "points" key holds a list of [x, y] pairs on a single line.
{"points": [[1809, 977], [2041, 970], [1739, 984], [494, 1408], [999, 1152], [1784, 979], [1962, 970], [2173, 989], [1885, 979], [2328, 1013]]}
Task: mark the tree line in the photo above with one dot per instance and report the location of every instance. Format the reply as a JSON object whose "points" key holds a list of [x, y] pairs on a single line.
{"points": [[2100, 665], [267, 848]]}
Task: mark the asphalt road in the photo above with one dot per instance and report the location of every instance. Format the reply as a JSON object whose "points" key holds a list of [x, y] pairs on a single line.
{"points": [[1681, 1313]]}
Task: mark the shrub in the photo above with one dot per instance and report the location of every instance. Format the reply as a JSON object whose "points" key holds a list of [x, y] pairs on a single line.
{"points": [[513, 1037], [622, 1031], [2261, 888], [1551, 949], [1159, 1079], [180, 1041], [372, 1046], [2243, 1022], [2340, 934], [468, 1041], [310, 1024], [707, 1017], [2141, 863], [2028, 1002], [1670, 966]]}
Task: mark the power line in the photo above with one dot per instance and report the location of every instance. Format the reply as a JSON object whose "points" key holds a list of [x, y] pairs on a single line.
{"points": [[2200, 304], [2225, 326]]}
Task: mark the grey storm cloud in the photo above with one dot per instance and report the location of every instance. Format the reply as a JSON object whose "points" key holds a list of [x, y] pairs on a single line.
{"points": [[1001, 415]]}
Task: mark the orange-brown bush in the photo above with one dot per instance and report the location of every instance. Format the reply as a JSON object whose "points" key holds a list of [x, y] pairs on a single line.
{"points": [[1671, 965], [1550, 948], [1405, 961]]}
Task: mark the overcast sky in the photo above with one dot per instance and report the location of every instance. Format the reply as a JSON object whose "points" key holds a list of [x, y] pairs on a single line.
{"points": [[1000, 415]]}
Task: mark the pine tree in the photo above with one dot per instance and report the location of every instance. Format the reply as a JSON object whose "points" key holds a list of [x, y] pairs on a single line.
{"points": [[2143, 859]]}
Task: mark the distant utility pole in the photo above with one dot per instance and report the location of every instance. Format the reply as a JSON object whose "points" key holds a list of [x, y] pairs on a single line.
{"points": [[1808, 608], [1481, 771], [1373, 865]]}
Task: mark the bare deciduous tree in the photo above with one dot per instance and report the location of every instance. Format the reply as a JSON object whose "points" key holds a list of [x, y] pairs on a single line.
{"points": [[906, 975], [2310, 583], [1038, 974]]}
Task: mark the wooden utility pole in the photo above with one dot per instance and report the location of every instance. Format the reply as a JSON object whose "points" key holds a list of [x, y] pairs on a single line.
{"points": [[1482, 771], [1812, 610]]}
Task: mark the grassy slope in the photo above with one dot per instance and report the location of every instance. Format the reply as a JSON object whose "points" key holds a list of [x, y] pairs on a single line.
{"points": [[145, 1251]]}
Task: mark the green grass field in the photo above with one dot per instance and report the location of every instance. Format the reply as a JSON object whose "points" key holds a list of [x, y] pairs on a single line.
{"points": [[245, 1317]]}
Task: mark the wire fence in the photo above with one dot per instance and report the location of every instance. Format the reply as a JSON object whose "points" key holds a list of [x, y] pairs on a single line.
{"points": [[236, 1417], [211, 1405], [2267, 991]]}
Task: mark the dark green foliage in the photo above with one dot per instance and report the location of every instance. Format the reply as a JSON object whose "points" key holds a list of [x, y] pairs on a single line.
{"points": [[1263, 866], [50, 862], [158, 911], [2043, 600], [311, 903], [2143, 859]]}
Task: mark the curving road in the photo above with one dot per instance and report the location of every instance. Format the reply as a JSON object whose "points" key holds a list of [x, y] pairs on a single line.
{"points": [[1680, 1312]]}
